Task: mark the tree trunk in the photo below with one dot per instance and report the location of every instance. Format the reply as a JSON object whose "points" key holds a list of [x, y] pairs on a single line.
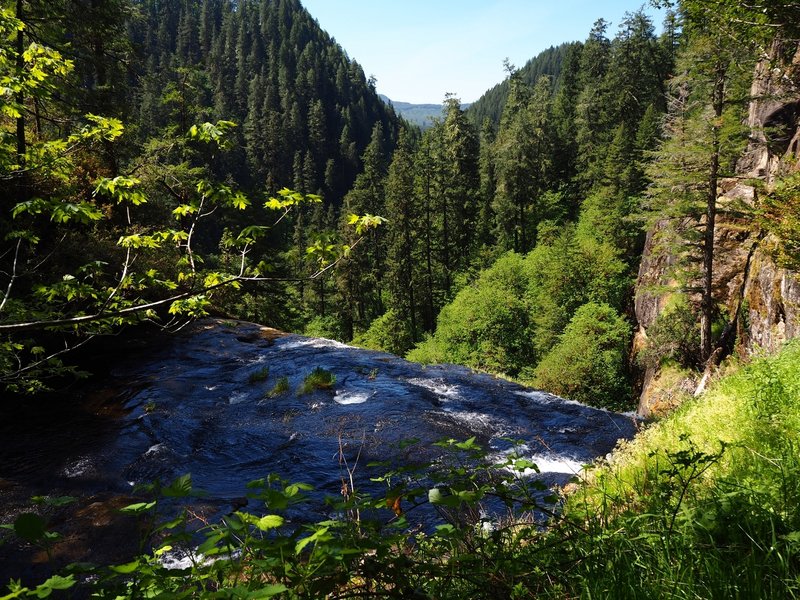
{"points": [[707, 303]]}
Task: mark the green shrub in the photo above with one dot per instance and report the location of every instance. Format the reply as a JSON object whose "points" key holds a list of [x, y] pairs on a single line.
{"points": [[566, 274], [487, 324], [589, 362], [387, 333]]}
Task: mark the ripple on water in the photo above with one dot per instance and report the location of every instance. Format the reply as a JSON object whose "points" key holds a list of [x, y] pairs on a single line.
{"points": [[77, 468], [156, 449], [545, 398], [238, 397], [479, 421]]}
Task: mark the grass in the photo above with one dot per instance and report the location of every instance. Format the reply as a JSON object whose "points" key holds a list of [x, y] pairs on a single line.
{"points": [[318, 379], [281, 387], [257, 376], [703, 504]]}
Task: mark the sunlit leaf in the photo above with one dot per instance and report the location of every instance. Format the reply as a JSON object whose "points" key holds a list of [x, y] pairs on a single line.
{"points": [[137, 508]]}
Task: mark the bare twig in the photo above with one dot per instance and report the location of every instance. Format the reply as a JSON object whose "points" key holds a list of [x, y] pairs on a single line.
{"points": [[348, 492], [12, 277]]}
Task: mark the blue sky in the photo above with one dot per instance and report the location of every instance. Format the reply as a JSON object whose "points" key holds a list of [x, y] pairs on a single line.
{"points": [[418, 50]]}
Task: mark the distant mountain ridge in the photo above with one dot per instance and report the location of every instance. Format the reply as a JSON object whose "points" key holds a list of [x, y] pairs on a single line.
{"points": [[422, 115], [548, 62]]}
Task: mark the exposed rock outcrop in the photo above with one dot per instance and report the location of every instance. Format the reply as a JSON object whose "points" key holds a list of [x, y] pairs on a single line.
{"points": [[760, 300]]}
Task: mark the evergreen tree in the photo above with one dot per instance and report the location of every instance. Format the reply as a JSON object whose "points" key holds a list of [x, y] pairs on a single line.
{"points": [[431, 296], [488, 184], [360, 280], [523, 151], [458, 186], [404, 273], [565, 153], [704, 139], [591, 122]]}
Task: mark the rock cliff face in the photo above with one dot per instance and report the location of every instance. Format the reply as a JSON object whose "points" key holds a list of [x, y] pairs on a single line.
{"points": [[760, 299]]}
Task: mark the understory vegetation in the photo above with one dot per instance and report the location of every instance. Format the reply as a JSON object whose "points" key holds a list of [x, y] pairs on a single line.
{"points": [[703, 504]]}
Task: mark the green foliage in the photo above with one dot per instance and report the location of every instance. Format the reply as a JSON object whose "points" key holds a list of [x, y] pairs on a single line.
{"points": [[513, 315], [588, 362], [56, 583], [261, 374], [281, 387], [325, 327], [523, 162], [486, 325], [140, 266], [569, 272], [387, 333], [673, 336], [705, 501], [171, 238], [318, 379]]}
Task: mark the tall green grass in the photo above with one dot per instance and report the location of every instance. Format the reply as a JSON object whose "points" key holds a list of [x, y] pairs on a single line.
{"points": [[703, 504]]}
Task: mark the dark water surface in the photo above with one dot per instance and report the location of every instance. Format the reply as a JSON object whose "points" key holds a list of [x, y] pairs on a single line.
{"points": [[197, 403]]}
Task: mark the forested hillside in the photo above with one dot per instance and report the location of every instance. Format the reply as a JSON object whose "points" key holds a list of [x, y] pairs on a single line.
{"points": [[305, 110], [549, 62], [170, 159], [135, 136]]}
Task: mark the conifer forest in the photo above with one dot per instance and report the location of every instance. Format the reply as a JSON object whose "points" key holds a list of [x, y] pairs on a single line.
{"points": [[617, 223]]}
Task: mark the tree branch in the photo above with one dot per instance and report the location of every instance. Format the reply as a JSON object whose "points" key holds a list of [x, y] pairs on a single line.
{"points": [[131, 310]]}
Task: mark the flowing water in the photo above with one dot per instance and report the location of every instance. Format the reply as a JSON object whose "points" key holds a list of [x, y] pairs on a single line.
{"points": [[199, 403]]}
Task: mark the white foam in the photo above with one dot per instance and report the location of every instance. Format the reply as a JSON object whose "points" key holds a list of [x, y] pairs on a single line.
{"points": [[482, 420], [78, 468], [553, 463], [155, 449], [547, 463], [313, 343], [438, 387], [543, 398], [351, 397], [326, 343], [181, 560]]}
